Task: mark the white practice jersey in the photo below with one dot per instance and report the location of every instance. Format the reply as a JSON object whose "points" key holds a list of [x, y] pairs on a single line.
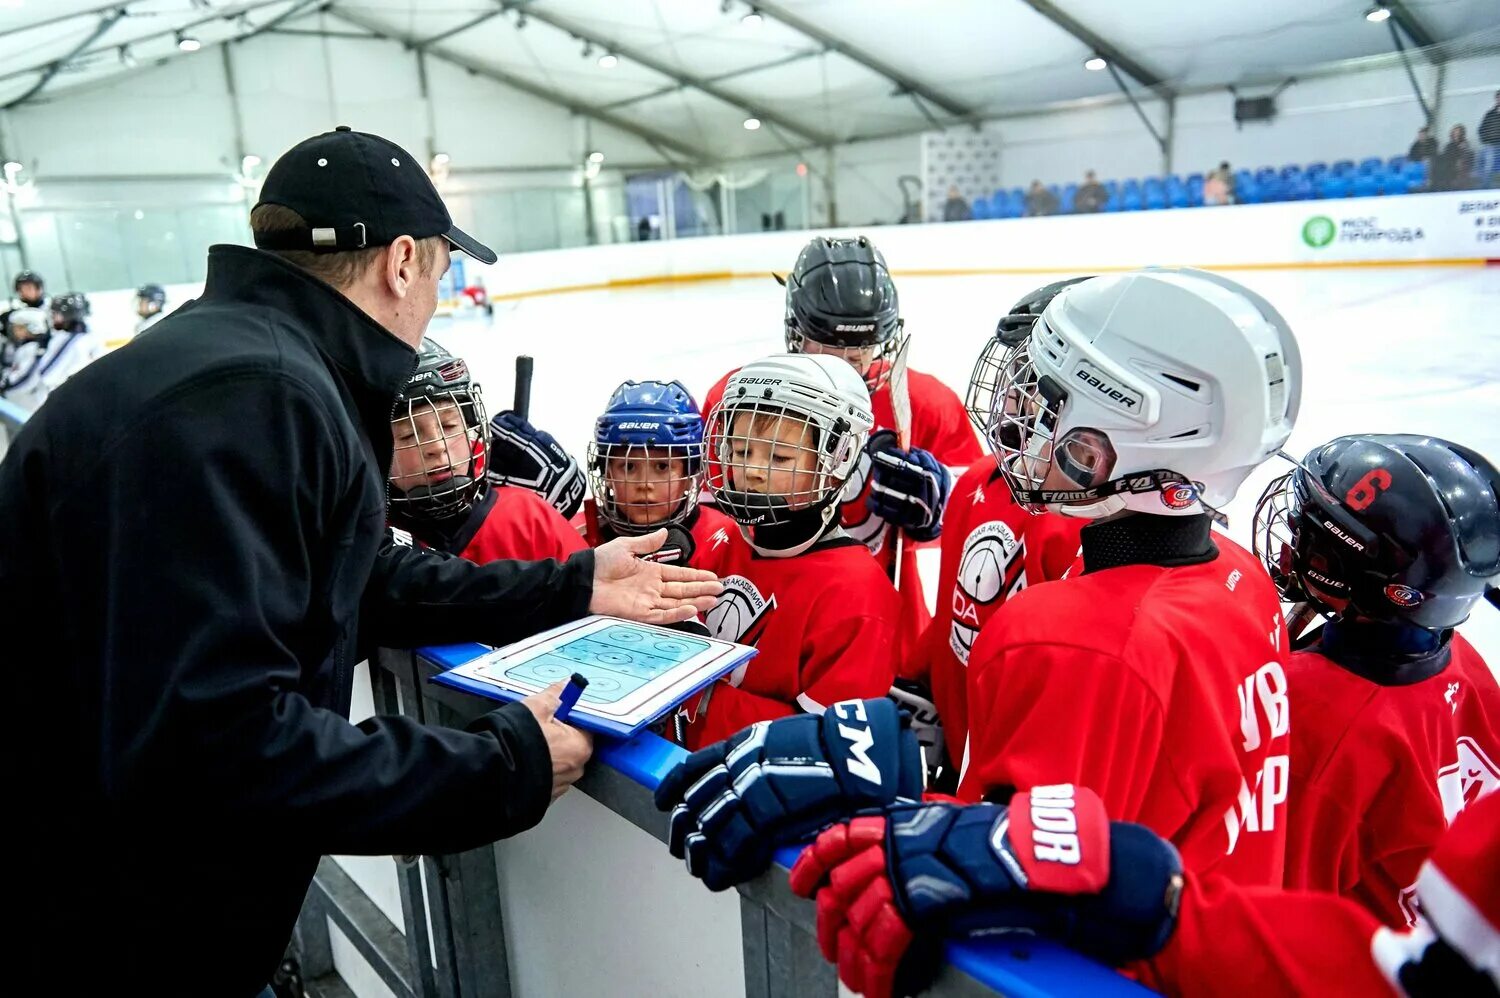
{"points": [[37, 369], [148, 322]]}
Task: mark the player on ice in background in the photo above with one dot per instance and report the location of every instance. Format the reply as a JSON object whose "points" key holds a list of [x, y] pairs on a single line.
{"points": [[1395, 539], [645, 467], [439, 492], [1157, 677], [891, 887], [30, 293], [819, 611], [841, 301], [40, 363], [150, 306], [991, 548]]}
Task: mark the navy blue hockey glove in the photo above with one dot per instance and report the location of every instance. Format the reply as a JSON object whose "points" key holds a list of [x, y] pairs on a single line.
{"points": [[779, 782], [890, 888], [908, 488], [521, 454]]}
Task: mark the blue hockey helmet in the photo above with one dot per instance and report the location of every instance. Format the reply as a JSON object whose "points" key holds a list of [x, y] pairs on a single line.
{"points": [[644, 431], [1396, 528]]}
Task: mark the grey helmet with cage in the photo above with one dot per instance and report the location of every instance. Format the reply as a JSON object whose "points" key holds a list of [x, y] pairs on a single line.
{"points": [[782, 443], [840, 300], [1156, 391], [440, 416], [26, 324]]}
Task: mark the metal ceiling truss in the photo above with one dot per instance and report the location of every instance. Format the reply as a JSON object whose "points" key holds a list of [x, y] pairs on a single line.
{"points": [[1107, 50], [660, 141]]}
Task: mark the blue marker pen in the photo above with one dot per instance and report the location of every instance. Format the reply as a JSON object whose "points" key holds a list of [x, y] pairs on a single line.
{"points": [[570, 694]]}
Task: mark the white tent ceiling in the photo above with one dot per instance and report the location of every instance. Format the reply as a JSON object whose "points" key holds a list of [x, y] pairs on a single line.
{"points": [[813, 71]]}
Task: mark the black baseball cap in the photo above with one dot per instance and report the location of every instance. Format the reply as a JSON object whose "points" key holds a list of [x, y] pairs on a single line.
{"points": [[357, 190]]}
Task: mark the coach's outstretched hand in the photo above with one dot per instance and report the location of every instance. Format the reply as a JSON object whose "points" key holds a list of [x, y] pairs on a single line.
{"points": [[778, 782], [628, 585]]}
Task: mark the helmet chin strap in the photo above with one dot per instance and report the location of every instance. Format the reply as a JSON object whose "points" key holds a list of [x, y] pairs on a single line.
{"points": [[801, 530]]}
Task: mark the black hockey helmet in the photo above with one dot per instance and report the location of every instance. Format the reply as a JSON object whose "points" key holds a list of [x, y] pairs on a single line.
{"points": [[439, 414], [1013, 327], [69, 309], [1396, 528], [840, 296], [29, 277], [152, 294]]}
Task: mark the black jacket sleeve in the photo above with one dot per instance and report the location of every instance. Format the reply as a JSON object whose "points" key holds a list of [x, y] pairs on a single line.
{"points": [[419, 597], [213, 558]]}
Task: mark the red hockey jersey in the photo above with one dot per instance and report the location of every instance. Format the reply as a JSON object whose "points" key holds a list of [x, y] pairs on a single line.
{"points": [[821, 623], [512, 522], [711, 530], [1379, 772], [1164, 689], [991, 549], [939, 425], [1234, 941]]}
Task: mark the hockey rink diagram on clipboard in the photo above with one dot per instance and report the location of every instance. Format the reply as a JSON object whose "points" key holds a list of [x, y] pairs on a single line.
{"points": [[616, 660]]}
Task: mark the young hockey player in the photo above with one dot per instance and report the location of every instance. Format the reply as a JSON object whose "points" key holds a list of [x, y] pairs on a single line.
{"points": [[645, 467], [1157, 676], [891, 887], [815, 605], [30, 293], [439, 492], [40, 363], [150, 306], [991, 548], [1395, 539], [841, 301]]}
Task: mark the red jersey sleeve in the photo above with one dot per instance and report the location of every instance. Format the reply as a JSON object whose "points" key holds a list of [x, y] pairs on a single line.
{"points": [[1048, 713], [522, 525], [1234, 941]]}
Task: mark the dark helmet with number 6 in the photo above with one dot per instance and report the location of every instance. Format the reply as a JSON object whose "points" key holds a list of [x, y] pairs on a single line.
{"points": [[439, 429], [840, 300], [1394, 528]]}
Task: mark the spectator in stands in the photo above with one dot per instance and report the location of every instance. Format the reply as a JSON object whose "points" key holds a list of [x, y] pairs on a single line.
{"points": [[1489, 134], [956, 209], [1425, 148], [1217, 186], [1040, 201], [1454, 168], [1092, 196]]}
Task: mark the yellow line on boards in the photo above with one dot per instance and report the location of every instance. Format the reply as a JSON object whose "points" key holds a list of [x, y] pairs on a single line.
{"points": [[730, 275]]}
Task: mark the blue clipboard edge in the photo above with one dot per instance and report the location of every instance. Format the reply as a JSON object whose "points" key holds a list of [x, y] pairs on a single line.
{"points": [[1017, 966], [452, 656]]}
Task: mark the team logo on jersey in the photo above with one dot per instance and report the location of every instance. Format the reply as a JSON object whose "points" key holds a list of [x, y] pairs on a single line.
{"points": [[740, 614], [1404, 596], [1473, 776], [989, 570], [1451, 697], [401, 538], [854, 513], [1178, 495], [719, 538]]}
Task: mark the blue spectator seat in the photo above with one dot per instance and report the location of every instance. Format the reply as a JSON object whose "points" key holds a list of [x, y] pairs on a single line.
{"points": [[1416, 173], [1315, 171], [1265, 174], [1372, 165], [1130, 197], [1395, 164], [1366, 185], [1299, 188], [1156, 198], [1291, 170], [1344, 167], [1334, 185], [980, 208], [1397, 182], [1069, 192]]}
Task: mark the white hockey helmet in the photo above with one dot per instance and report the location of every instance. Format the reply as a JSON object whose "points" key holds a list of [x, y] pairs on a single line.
{"points": [[1156, 391], [28, 324], [782, 442]]}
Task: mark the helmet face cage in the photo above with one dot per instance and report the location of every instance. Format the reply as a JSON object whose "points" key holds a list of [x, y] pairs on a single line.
{"points": [[437, 471], [772, 465], [28, 324], [639, 487], [874, 361], [1274, 538]]}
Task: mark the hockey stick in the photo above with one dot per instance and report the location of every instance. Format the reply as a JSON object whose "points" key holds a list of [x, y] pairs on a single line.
{"points": [[901, 412], [522, 406]]}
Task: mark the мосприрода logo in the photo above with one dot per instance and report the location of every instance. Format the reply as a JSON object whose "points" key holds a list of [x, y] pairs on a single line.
{"points": [[1318, 231]]}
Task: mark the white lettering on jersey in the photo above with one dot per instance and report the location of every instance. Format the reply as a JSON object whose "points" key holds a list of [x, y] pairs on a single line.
{"points": [[1233, 580], [860, 739], [990, 553], [740, 614], [401, 538], [1473, 776], [1255, 807]]}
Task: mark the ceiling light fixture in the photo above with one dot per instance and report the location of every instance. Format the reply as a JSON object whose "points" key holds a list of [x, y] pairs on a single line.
{"points": [[596, 157], [752, 19], [1378, 13], [1094, 63], [188, 43], [608, 60], [751, 124]]}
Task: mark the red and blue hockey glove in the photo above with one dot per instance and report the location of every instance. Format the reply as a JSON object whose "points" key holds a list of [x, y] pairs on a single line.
{"points": [[520, 454], [890, 888], [779, 782], [908, 488]]}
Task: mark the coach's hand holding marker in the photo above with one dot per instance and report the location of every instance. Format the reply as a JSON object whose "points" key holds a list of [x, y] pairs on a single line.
{"points": [[569, 746], [628, 584]]}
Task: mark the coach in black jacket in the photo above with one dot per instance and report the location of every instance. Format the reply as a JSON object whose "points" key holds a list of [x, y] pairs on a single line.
{"points": [[193, 557]]}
